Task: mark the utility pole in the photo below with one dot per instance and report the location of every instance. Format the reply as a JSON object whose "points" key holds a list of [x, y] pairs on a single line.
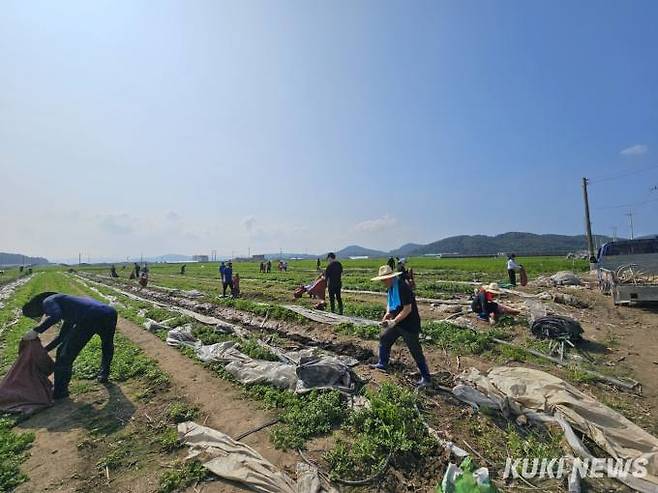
{"points": [[630, 218], [79, 258], [614, 233], [588, 223]]}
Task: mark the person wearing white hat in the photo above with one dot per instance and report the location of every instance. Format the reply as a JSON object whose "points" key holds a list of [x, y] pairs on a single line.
{"points": [[485, 306], [401, 320]]}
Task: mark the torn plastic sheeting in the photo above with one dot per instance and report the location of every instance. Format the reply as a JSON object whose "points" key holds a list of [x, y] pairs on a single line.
{"points": [[297, 357], [247, 370], [565, 278], [312, 372], [519, 390], [153, 326], [240, 463], [182, 336], [637, 484], [326, 372]]}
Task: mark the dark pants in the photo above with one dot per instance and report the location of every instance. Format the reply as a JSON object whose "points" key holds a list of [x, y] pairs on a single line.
{"points": [[228, 284], [101, 323], [411, 339], [334, 295], [512, 276]]}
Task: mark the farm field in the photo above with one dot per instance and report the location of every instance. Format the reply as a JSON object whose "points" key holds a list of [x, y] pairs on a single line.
{"points": [[9, 274], [121, 437]]}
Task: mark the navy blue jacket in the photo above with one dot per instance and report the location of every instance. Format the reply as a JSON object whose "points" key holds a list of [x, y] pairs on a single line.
{"points": [[71, 309]]}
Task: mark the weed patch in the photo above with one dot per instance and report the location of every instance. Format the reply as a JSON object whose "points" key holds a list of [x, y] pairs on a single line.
{"points": [[302, 416], [362, 331], [389, 426], [180, 412], [181, 476], [461, 340], [13, 451], [534, 444]]}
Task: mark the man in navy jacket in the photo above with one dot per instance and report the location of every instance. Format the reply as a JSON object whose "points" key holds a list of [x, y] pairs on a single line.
{"points": [[82, 317]]}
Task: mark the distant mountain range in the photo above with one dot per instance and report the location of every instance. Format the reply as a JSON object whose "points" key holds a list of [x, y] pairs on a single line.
{"points": [[8, 259], [519, 243]]}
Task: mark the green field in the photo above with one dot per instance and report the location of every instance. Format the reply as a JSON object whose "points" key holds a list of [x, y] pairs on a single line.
{"points": [[435, 277], [9, 274]]}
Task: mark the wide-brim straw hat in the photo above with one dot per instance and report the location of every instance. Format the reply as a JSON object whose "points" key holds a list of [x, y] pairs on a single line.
{"points": [[492, 288], [385, 272]]}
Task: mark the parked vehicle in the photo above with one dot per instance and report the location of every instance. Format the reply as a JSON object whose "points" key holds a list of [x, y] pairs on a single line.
{"points": [[628, 270]]}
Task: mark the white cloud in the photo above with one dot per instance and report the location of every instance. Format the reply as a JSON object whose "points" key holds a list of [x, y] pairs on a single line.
{"points": [[375, 225], [636, 150]]}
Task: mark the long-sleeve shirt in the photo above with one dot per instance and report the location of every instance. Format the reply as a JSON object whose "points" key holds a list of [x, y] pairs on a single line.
{"points": [[71, 309], [512, 265], [333, 274]]}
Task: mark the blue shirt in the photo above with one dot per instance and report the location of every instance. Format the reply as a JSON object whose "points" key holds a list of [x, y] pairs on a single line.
{"points": [[228, 274], [71, 309]]}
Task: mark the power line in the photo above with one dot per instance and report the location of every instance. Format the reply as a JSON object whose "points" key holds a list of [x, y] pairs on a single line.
{"points": [[635, 204], [622, 175]]}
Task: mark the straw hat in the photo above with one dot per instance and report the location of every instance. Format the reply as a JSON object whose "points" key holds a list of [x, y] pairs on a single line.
{"points": [[492, 288], [385, 272]]}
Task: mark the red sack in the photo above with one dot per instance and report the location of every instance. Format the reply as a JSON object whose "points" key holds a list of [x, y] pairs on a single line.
{"points": [[299, 292], [524, 276], [26, 387], [318, 289]]}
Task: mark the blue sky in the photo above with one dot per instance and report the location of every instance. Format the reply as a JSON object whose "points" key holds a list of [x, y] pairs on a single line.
{"points": [[156, 127]]}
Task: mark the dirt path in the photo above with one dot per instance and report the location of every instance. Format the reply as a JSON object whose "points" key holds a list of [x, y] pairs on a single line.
{"points": [[56, 442], [222, 404], [58, 461]]}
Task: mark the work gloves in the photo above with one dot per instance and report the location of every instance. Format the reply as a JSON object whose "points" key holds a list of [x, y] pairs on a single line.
{"points": [[387, 324], [30, 335]]}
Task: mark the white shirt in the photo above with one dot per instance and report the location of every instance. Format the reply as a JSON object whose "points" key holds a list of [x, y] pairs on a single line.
{"points": [[512, 265]]}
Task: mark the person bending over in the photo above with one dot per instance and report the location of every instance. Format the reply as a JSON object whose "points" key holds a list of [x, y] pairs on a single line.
{"points": [[82, 317]]}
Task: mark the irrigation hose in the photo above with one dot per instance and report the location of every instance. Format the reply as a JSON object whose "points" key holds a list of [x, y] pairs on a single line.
{"points": [[258, 428]]}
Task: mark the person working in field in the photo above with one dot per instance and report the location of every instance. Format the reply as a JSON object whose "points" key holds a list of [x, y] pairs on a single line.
{"points": [[401, 320], [512, 268], [113, 271], [144, 276], [137, 270], [333, 274], [82, 317], [487, 309], [227, 281], [222, 268]]}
